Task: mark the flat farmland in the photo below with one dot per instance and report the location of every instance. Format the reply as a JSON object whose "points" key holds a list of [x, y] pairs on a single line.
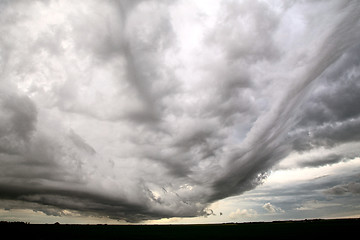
{"points": [[307, 229]]}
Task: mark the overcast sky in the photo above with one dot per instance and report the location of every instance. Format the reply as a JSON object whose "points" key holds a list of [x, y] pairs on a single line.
{"points": [[198, 111]]}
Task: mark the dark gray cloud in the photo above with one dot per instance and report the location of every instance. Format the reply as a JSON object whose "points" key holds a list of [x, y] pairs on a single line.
{"points": [[18, 121], [80, 143], [141, 110], [353, 187], [321, 161], [330, 117]]}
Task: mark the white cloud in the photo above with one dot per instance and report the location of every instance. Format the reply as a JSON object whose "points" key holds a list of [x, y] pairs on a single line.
{"points": [[242, 213], [271, 208]]}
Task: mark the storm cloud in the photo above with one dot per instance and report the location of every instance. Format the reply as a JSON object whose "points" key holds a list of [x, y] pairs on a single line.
{"points": [[138, 110]]}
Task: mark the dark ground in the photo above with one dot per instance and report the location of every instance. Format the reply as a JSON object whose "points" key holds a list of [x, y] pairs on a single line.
{"points": [[307, 229]]}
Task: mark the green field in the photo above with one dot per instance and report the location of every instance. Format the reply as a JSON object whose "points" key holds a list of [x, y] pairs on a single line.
{"points": [[308, 229]]}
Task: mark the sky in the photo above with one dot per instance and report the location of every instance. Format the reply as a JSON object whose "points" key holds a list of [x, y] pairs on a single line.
{"points": [[201, 111]]}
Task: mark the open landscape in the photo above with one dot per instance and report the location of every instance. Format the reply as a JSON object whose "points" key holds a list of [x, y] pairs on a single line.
{"points": [[309, 229], [154, 119]]}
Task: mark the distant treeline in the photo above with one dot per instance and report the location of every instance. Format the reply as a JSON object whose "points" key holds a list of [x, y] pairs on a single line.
{"points": [[298, 229], [15, 223]]}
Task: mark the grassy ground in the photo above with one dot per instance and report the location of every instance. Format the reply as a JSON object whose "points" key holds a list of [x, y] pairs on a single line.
{"points": [[319, 229]]}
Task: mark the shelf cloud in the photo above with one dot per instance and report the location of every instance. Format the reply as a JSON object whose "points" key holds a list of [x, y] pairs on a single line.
{"points": [[139, 110]]}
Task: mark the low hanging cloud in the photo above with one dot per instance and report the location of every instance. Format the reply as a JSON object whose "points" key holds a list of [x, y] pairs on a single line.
{"points": [[352, 187], [141, 110]]}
